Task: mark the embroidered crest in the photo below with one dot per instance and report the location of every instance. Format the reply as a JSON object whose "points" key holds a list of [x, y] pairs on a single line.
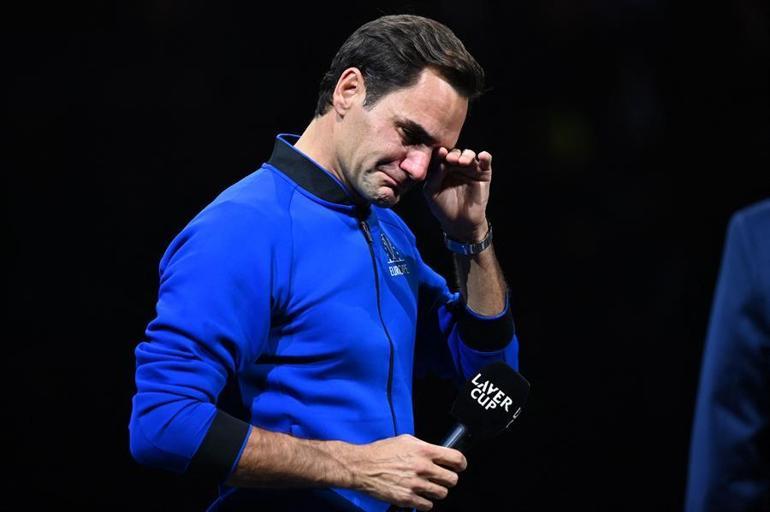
{"points": [[396, 263]]}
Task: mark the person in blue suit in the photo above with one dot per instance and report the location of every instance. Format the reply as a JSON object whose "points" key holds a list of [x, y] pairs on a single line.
{"points": [[300, 284], [729, 467]]}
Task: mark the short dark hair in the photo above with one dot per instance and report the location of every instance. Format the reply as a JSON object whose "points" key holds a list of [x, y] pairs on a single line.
{"points": [[392, 51]]}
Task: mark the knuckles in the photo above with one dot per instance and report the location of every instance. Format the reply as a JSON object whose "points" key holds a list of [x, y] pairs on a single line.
{"points": [[420, 483], [422, 468]]}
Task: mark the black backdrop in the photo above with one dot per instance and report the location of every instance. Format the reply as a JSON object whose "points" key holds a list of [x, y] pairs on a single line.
{"points": [[624, 136]]}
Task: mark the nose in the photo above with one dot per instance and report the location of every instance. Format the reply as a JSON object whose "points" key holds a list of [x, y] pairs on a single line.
{"points": [[417, 162]]}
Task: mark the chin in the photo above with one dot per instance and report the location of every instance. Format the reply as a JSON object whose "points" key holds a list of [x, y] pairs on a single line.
{"points": [[392, 196], [385, 201], [383, 196]]}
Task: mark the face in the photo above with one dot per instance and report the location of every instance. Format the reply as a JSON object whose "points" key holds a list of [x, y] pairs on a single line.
{"points": [[385, 149]]}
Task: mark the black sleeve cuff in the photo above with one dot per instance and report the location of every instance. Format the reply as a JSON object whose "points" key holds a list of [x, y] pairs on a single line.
{"points": [[485, 334], [220, 448]]}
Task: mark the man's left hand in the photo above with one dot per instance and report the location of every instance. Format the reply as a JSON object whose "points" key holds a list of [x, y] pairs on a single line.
{"points": [[457, 191]]}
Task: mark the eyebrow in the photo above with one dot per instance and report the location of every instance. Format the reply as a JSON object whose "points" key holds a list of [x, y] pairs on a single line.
{"points": [[416, 131]]}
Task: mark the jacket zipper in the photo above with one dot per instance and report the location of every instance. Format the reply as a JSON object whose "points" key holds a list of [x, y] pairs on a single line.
{"points": [[370, 243]]}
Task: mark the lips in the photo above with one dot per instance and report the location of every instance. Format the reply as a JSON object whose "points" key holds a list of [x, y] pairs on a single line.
{"points": [[390, 181]]}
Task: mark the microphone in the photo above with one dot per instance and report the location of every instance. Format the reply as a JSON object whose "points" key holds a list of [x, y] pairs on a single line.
{"points": [[487, 405]]}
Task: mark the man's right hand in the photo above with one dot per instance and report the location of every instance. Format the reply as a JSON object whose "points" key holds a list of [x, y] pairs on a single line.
{"points": [[405, 471]]}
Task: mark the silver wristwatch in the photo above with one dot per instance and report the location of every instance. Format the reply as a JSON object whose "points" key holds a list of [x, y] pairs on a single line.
{"points": [[468, 249]]}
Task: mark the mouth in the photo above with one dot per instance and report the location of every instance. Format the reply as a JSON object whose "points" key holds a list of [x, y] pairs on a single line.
{"points": [[389, 181]]}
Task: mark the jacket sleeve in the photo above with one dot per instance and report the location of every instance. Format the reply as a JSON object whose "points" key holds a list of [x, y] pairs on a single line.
{"points": [[454, 341], [729, 445], [213, 315]]}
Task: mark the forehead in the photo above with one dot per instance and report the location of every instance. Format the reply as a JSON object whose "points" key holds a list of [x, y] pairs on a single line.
{"points": [[432, 104]]}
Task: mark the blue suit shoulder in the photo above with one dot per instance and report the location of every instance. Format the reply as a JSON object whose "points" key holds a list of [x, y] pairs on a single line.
{"points": [[728, 460]]}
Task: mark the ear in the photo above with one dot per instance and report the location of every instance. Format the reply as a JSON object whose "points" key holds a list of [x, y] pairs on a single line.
{"points": [[349, 90]]}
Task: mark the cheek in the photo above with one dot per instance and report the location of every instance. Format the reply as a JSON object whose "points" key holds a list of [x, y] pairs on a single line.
{"points": [[391, 154], [383, 155]]}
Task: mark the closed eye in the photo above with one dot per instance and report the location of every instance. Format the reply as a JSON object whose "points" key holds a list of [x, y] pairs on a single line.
{"points": [[410, 139], [414, 134]]}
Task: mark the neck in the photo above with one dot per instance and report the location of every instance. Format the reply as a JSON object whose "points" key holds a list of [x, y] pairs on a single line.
{"points": [[316, 142]]}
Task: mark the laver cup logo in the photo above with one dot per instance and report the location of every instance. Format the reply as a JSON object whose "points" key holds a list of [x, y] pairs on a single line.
{"points": [[491, 400], [396, 264], [488, 395]]}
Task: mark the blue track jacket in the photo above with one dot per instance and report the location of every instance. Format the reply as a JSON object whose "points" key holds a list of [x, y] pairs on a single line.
{"points": [[318, 309]]}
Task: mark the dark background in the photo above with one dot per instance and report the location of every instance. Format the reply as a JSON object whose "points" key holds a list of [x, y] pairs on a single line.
{"points": [[624, 133]]}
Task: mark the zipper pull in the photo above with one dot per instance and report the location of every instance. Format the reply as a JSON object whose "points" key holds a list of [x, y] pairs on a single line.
{"points": [[367, 233]]}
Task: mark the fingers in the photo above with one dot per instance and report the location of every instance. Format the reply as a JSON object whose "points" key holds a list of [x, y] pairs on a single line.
{"points": [[466, 158], [417, 499], [408, 472], [424, 492], [460, 157], [420, 504], [449, 458], [434, 480], [438, 172], [431, 491], [485, 160], [442, 476]]}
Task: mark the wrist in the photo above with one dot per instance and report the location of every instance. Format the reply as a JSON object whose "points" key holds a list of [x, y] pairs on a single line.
{"points": [[347, 457], [477, 244], [470, 235]]}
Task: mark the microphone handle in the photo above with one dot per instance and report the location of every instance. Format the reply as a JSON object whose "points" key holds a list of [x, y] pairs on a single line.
{"points": [[457, 437]]}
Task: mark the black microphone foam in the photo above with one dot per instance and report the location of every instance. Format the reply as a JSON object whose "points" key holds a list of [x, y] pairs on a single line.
{"points": [[488, 404]]}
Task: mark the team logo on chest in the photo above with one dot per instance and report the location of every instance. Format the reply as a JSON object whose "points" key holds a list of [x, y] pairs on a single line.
{"points": [[396, 264]]}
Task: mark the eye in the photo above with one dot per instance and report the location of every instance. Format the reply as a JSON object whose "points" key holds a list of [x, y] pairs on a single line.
{"points": [[409, 138]]}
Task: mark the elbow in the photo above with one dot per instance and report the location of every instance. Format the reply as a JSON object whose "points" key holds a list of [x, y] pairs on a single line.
{"points": [[142, 450], [148, 452]]}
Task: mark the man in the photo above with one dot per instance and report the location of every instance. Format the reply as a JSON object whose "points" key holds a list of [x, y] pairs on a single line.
{"points": [[301, 284], [730, 448]]}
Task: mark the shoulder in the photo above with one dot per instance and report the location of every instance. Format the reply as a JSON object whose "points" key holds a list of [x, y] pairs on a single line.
{"points": [[749, 228], [250, 215], [754, 218], [264, 191], [262, 198], [748, 243]]}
